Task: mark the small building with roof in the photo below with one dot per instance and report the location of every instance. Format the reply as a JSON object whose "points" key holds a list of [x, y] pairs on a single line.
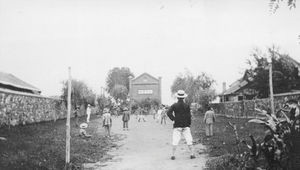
{"points": [[145, 86], [11, 83], [237, 91]]}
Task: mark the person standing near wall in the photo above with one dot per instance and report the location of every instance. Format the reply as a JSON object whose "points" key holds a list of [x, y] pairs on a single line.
{"points": [[209, 119], [88, 113], [182, 122], [125, 118]]}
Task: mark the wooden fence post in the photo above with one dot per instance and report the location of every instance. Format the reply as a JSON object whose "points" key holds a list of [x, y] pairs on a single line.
{"points": [[271, 88], [68, 137]]}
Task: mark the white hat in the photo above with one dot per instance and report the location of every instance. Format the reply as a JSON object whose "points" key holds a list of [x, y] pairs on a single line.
{"points": [[181, 94], [83, 125]]}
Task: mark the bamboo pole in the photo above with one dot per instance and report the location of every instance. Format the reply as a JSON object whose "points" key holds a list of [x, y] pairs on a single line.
{"points": [[68, 121], [271, 88]]}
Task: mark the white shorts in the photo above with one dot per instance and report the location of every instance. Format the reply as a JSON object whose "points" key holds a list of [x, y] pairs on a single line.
{"points": [[186, 132]]}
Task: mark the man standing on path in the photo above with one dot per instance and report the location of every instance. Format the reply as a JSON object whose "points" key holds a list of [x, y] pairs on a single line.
{"points": [[182, 122], [209, 119], [88, 113]]}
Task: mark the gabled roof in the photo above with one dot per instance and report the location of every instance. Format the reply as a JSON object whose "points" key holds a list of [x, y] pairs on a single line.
{"points": [[235, 86], [145, 74], [11, 80]]}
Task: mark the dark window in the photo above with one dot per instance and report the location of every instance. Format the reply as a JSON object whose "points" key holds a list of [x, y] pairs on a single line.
{"points": [[240, 98]]}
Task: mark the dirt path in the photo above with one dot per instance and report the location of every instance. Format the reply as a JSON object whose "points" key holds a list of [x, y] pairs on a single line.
{"points": [[147, 146]]}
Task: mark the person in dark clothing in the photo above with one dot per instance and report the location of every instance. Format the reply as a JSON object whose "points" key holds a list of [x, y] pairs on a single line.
{"points": [[125, 118], [180, 114]]}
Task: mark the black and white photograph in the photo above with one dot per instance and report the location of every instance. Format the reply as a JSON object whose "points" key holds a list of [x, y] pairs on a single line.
{"points": [[149, 85]]}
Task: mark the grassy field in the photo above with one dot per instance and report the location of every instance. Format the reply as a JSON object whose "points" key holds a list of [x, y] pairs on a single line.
{"points": [[223, 141], [42, 145]]}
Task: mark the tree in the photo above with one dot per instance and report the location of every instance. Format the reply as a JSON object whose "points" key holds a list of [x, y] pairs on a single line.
{"points": [[285, 72], [119, 93], [199, 88], [103, 102], [118, 76], [81, 94], [274, 4]]}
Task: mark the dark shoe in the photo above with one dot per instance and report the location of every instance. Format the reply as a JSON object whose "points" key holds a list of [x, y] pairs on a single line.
{"points": [[193, 156], [172, 157]]}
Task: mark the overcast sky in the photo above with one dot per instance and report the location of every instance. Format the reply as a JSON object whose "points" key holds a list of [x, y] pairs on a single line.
{"points": [[39, 39]]}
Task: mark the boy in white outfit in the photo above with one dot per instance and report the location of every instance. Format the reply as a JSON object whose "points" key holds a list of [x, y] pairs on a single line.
{"points": [[88, 113]]}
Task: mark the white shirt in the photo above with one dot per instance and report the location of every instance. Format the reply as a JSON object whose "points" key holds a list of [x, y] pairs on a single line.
{"points": [[159, 112], [88, 110]]}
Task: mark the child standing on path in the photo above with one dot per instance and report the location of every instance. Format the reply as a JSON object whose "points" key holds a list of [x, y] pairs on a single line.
{"points": [[209, 119], [141, 112], [107, 121], [125, 118], [153, 112], [159, 111], [163, 116]]}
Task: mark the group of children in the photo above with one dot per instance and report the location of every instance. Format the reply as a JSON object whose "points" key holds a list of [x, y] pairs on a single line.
{"points": [[160, 115], [106, 123], [140, 114]]}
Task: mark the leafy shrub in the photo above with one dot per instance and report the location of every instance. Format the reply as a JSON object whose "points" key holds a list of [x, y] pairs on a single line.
{"points": [[274, 151]]}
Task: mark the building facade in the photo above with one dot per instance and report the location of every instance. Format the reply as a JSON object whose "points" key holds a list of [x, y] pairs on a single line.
{"points": [[145, 86]]}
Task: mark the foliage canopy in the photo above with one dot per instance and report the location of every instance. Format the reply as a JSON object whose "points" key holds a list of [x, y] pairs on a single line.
{"points": [[81, 94], [117, 82], [199, 89], [285, 72]]}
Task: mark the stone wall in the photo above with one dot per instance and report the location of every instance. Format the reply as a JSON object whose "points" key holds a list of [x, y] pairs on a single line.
{"points": [[20, 108], [246, 108]]}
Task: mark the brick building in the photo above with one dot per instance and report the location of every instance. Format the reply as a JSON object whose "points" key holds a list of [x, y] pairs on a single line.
{"points": [[145, 86]]}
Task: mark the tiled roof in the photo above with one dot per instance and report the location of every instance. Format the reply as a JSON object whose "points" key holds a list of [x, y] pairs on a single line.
{"points": [[11, 80]]}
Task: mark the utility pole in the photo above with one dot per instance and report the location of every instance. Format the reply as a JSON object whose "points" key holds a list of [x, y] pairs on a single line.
{"points": [[129, 94], [271, 86], [68, 137]]}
